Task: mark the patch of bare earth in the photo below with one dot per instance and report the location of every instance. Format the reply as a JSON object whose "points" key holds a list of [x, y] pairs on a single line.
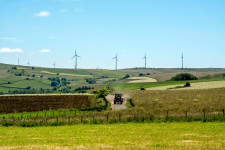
{"points": [[141, 80], [110, 98]]}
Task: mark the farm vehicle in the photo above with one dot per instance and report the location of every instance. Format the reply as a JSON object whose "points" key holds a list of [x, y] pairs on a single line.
{"points": [[118, 99]]}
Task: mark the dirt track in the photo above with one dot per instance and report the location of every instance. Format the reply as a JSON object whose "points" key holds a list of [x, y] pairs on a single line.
{"points": [[110, 98]]}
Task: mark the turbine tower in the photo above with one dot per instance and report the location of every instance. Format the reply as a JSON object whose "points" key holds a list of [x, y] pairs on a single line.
{"points": [[18, 61], [145, 58], [116, 58], [76, 57], [182, 57], [28, 63], [54, 65]]}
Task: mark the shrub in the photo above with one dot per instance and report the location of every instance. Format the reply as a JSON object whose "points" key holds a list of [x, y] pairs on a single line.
{"points": [[142, 89], [141, 74], [184, 77], [28, 88], [187, 84], [91, 81], [53, 83], [102, 93], [126, 76]]}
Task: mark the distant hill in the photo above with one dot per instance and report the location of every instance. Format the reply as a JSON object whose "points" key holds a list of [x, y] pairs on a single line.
{"points": [[13, 77]]}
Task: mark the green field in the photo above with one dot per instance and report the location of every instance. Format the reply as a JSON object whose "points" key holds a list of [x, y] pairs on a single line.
{"points": [[117, 136], [133, 86]]}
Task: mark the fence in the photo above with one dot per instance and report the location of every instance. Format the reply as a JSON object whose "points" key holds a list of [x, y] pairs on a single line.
{"points": [[76, 117]]}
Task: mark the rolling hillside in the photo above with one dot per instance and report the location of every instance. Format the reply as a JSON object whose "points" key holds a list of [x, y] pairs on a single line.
{"points": [[26, 78]]}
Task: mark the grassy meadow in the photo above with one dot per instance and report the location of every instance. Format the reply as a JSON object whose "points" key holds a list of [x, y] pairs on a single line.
{"points": [[117, 136], [212, 101]]}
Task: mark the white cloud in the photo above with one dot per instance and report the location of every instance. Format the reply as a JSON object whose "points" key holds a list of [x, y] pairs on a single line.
{"points": [[8, 38], [45, 51], [43, 14], [8, 50]]}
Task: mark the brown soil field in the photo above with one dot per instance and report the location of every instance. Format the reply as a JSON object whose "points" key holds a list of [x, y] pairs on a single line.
{"points": [[31, 103]]}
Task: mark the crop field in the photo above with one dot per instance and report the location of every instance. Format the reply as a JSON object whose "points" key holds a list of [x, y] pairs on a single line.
{"points": [[132, 86], [199, 85], [141, 80], [31, 103], [116, 136]]}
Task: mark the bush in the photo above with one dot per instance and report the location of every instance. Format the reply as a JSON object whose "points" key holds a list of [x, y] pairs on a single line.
{"points": [[126, 76], [184, 77], [53, 83], [141, 74], [142, 89], [102, 93], [187, 84], [91, 81]]}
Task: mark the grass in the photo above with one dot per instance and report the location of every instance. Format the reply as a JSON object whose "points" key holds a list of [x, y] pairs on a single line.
{"points": [[116, 136], [177, 102], [132, 86]]}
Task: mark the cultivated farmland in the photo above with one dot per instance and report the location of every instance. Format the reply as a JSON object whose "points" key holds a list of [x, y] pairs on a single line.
{"points": [[31, 103]]}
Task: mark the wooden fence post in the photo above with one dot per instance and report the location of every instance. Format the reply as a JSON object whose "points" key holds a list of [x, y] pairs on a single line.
{"points": [[186, 114], [81, 119], [204, 113], [69, 118], [119, 117], [45, 113], [57, 119]]}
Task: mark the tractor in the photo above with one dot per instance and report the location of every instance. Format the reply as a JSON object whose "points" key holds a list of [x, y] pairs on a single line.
{"points": [[118, 98]]}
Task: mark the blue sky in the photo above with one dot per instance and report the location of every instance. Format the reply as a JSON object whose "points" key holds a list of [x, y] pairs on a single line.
{"points": [[44, 31]]}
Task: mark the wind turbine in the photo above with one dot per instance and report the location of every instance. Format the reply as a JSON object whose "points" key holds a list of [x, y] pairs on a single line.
{"points": [[76, 57], [18, 61], [54, 65], [28, 63], [116, 58], [145, 57], [182, 57]]}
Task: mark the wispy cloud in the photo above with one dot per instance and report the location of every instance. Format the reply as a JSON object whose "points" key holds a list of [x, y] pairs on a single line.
{"points": [[9, 50], [8, 38], [52, 37], [44, 51], [43, 14]]}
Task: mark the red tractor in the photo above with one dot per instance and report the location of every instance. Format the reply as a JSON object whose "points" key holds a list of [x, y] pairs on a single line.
{"points": [[118, 98]]}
